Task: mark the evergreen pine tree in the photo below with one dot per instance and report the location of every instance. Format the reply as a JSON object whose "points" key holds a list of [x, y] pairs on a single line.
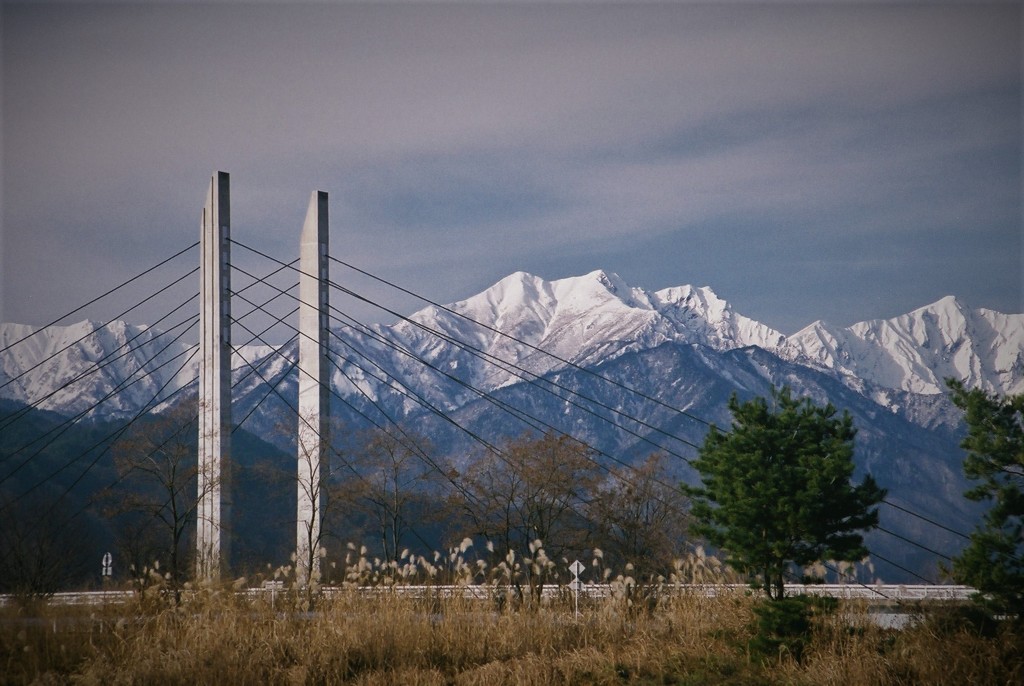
{"points": [[777, 489], [993, 562]]}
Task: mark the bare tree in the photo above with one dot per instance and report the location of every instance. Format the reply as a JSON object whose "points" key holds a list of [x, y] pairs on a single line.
{"points": [[158, 480], [386, 482], [532, 489], [313, 451], [138, 542], [43, 548], [308, 476], [640, 517]]}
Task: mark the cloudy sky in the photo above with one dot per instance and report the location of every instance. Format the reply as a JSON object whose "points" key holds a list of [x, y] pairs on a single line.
{"points": [[807, 161]]}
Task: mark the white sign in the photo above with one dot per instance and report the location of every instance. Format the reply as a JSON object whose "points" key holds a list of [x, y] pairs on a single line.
{"points": [[108, 565], [576, 586]]}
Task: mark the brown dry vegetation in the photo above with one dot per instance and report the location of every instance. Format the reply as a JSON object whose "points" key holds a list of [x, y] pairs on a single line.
{"points": [[220, 637], [365, 632]]}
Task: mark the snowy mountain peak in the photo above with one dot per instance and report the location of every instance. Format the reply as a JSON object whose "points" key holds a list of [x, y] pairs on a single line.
{"points": [[598, 289], [723, 328], [917, 351], [701, 301], [581, 319], [574, 319], [71, 368], [529, 323]]}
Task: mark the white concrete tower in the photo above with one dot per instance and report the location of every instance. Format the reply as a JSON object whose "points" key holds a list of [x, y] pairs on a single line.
{"points": [[314, 398], [214, 512]]}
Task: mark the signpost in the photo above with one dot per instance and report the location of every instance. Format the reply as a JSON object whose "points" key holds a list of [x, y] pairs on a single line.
{"points": [[108, 567], [576, 568]]}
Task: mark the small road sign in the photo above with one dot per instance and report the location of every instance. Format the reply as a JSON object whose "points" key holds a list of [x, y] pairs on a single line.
{"points": [[576, 586]]}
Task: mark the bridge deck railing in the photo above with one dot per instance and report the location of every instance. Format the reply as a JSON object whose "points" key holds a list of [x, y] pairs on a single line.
{"points": [[879, 593]]}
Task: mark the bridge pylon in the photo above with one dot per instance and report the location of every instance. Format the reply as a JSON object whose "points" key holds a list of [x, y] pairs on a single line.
{"points": [[213, 542], [313, 438]]}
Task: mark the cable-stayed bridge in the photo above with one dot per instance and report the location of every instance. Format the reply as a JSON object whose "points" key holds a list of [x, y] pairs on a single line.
{"points": [[242, 309]]}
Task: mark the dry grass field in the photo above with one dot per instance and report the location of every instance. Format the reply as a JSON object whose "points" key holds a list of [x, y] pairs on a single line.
{"points": [[366, 633], [220, 637]]}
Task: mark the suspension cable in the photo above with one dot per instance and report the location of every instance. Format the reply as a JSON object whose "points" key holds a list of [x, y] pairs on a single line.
{"points": [[513, 338], [90, 333], [98, 298], [100, 364]]}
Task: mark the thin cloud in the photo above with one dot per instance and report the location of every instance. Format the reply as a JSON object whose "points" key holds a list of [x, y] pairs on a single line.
{"points": [[483, 139]]}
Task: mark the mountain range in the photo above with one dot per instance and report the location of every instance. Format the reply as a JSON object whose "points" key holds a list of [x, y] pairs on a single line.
{"points": [[627, 370]]}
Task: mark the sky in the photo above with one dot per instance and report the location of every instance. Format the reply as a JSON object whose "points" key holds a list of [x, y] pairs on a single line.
{"points": [[835, 161]]}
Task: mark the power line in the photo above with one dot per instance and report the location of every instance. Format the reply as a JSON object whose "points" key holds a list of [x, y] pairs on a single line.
{"points": [[486, 444], [914, 543], [505, 365], [109, 358], [472, 348], [125, 428], [180, 389], [517, 340], [856, 581], [529, 419], [925, 519], [524, 375], [126, 383], [411, 446], [902, 568], [270, 391], [113, 436], [306, 422]]}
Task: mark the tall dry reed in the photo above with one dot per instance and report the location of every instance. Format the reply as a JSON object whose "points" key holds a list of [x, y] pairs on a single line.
{"points": [[367, 633]]}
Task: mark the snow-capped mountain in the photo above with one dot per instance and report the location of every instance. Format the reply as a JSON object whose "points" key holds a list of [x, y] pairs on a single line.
{"points": [[595, 318], [543, 326], [522, 327], [96, 369], [916, 352], [69, 369]]}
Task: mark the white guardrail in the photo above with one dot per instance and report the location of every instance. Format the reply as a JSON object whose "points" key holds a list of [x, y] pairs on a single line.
{"points": [[881, 593]]}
